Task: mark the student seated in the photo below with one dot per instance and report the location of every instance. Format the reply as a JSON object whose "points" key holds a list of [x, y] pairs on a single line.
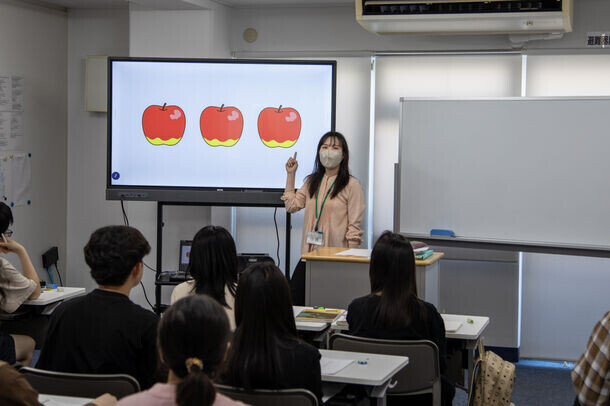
{"points": [[392, 310], [104, 332], [265, 352], [193, 341], [213, 266], [15, 288], [591, 373]]}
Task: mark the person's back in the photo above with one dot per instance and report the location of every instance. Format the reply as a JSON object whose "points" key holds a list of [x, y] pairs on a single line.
{"points": [[213, 266], [192, 336], [265, 352], [101, 333], [104, 331], [392, 310]]}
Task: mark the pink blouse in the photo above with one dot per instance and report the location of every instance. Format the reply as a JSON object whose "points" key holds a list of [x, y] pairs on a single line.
{"points": [[340, 219]]}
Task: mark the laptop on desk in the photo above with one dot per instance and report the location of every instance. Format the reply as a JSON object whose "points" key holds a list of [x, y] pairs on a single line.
{"points": [[183, 261]]}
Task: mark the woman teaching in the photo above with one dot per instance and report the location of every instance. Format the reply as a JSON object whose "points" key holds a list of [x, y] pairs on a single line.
{"points": [[332, 198], [333, 203]]}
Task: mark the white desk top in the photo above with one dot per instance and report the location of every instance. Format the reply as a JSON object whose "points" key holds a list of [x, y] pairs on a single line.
{"points": [[376, 370], [48, 297], [308, 325], [467, 331], [56, 400]]}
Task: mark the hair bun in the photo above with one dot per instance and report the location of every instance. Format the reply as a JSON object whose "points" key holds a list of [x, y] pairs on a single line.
{"points": [[192, 363]]}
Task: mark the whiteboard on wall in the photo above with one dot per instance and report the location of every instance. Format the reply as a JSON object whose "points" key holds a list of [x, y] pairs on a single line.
{"points": [[520, 171]]}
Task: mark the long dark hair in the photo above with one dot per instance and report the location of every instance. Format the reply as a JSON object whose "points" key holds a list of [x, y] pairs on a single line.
{"points": [[6, 219], [213, 263], [318, 169], [265, 322], [193, 335], [392, 273]]}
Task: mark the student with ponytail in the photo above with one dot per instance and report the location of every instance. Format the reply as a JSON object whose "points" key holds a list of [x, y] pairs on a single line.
{"points": [[393, 311], [192, 340]]}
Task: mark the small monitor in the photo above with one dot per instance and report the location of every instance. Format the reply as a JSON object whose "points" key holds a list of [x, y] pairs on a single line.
{"points": [[185, 254]]}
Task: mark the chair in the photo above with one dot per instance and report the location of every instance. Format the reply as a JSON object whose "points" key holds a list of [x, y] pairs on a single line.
{"points": [[80, 385], [268, 397], [421, 376]]}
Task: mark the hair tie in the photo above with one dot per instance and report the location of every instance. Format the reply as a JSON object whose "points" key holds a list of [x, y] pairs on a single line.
{"points": [[190, 362]]}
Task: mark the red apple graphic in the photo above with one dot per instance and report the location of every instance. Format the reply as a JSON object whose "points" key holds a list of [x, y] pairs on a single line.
{"points": [[279, 127], [221, 126], [163, 125]]}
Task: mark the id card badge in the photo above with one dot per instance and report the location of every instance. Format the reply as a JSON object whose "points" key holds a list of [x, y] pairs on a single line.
{"points": [[315, 238]]}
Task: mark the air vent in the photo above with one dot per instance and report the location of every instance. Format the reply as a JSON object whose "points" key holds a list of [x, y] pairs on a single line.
{"points": [[393, 7]]}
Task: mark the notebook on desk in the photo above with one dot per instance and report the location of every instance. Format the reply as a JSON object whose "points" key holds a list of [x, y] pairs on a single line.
{"points": [[319, 314], [452, 325]]}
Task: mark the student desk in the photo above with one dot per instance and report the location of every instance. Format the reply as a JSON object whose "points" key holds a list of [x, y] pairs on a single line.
{"points": [[375, 373], [315, 326], [32, 317], [335, 280], [464, 338], [48, 297], [55, 400]]}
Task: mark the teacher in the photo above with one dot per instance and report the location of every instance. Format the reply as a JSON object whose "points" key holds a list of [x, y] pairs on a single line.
{"points": [[332, 199]]}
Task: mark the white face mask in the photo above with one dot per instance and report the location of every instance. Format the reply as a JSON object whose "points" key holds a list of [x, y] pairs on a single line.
{"points": [[331, 158]]}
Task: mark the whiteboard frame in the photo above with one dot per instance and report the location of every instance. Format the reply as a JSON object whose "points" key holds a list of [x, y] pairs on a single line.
{"points": [[488, 243]]}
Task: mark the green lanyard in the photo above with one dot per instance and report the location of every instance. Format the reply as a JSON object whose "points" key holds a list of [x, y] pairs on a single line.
{"points": [[323, 201]]}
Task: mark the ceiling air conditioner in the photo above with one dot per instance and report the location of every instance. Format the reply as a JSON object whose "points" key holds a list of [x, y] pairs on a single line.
{"points": [[465, 16]]}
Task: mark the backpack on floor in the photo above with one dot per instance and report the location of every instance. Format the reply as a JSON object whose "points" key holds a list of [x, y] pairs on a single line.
{"points": [[493, 384]]}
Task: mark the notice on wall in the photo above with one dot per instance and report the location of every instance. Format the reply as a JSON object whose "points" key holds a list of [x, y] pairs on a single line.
{"points": [[11, 112], [5, 129], [5, 93], [15, 178], [17, 89]]}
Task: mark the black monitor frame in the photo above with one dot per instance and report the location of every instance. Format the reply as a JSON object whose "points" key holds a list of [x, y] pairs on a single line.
{"points": [[209, 195]]}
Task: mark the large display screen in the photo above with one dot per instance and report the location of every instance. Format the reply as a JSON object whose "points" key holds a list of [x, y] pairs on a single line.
{"points": [[200, 129]]}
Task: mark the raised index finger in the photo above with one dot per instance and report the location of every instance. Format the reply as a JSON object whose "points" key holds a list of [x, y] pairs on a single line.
{"points": [[295, 155]]}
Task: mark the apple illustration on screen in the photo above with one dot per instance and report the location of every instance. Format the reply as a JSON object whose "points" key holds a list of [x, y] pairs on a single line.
{"points": [[221, 126], [163, 125], [279, 127]]}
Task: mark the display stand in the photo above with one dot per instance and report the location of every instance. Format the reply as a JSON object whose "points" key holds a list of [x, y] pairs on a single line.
{"points": [[159, 283]]}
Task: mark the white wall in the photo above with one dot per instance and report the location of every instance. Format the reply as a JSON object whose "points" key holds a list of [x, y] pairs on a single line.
{"points": [[33, 44]]}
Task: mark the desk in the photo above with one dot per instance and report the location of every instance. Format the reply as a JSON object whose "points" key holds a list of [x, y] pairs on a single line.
{"points": [[48, 297], [335, 280], [56, 400], [465, 337], [33, 319], [376, 373], [316, 326]]}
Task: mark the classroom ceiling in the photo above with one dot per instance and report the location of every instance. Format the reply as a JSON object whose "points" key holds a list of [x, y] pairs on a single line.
{"points": [[184, 4]]}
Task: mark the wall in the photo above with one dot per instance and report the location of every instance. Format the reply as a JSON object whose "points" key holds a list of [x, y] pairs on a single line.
{"points": [[33, 44]]}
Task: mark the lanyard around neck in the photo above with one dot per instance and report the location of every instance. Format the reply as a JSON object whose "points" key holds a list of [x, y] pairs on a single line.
{"points": [[318, 215]]}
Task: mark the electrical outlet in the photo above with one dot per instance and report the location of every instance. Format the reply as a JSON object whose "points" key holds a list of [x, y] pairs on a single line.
{"points": [[50, 257]]}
